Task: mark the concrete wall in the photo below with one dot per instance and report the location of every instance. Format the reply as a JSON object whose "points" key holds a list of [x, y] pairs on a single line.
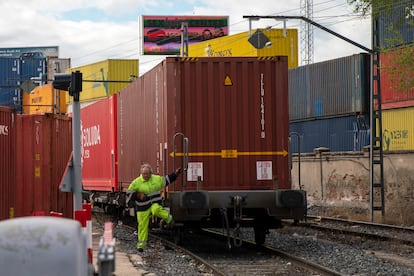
{"points": [[338, 184]]}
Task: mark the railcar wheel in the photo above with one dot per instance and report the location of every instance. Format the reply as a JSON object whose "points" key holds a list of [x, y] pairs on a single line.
{"points": [[260, 235]]}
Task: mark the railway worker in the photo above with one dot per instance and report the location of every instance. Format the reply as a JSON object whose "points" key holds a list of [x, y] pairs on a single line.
{"points": [[145, 190]]}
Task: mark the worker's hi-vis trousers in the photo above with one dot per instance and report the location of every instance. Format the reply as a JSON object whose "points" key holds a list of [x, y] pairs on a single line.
{"points": [[143, 221]]}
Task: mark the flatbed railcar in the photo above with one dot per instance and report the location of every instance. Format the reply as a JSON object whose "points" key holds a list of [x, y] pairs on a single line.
{"points": [[225, 121]]}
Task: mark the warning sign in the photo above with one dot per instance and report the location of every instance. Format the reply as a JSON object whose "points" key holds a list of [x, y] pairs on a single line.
{"points": [[227, 81]]}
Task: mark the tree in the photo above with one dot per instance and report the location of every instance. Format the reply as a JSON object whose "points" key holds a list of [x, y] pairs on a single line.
{"points": [[394, 15]]}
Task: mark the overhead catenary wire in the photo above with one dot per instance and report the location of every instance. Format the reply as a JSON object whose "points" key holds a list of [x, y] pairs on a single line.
{"points": [[318, 8]]}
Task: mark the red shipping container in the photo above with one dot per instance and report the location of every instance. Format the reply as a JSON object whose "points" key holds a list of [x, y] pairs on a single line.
{"points": [[43, 146], [234, 112], [393, 96], [7, 165], [98, 142]]}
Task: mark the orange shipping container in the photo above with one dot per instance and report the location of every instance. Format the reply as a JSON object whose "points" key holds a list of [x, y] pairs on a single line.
{"points": [[44, 99]]}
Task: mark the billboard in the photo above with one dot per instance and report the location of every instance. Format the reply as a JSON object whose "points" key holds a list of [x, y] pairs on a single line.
{"points": [[161, 34], [34, 52]]}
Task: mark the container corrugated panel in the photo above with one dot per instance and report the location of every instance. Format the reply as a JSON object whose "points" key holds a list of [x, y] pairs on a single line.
{"points": [[43, 147], [237, 45], [138, 135], [343, 133], [44, 99], [330, 88], [232, 110], [395, 24], [32, 66], [394, 94], [99, 145], [105, 78], [11, 96], [398, 129], [9, 81], [9, 71], [7, 168]]}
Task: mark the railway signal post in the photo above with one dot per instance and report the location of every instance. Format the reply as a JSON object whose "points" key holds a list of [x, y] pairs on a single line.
{"points": [[73, 176]]}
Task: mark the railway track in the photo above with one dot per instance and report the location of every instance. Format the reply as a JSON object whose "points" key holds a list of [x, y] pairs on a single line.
{"points": [[209, 247], [380, 232], [274, 259], [340, 253], [390, 247], [208, 251]]}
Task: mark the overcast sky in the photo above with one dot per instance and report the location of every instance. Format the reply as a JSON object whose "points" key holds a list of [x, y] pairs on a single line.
{"points": [[88, 31]]}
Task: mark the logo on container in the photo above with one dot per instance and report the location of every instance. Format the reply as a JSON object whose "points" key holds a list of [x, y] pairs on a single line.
{"points": [[4, 130], [90, 136]]}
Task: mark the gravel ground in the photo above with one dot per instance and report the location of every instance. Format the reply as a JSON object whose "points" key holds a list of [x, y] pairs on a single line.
{"points": [[159, 260], [350, 258], [156, 258]]}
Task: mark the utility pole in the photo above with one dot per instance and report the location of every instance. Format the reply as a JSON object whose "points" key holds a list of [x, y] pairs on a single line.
{"points": [[306, 32], [184, 39]]}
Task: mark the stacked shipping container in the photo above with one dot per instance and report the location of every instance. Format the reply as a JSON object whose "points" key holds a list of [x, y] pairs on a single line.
{"points": [[233, 110], [9, 82], [328, 102], [105, 78], [284, 43], [7, 165], [44, 99], [396, 81], [397, 101], [395, 23], [340, 133], [35, 150], [398, 129], [14, 72], [396, 35], [99, 145]]}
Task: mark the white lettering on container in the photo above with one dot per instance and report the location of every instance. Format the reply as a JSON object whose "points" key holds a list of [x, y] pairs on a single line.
{"points": [[262, 107], [91, 136], [4, 130]]}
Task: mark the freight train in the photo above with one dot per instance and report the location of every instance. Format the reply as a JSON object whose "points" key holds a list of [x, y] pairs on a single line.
{"points": [[224, 121]]}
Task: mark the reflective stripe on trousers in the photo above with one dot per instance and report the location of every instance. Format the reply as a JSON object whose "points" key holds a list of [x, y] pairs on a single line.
{"points": [[143, 221]]}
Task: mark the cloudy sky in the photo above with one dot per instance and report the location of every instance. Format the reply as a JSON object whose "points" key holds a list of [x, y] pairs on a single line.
{"points": [[88, 31]]}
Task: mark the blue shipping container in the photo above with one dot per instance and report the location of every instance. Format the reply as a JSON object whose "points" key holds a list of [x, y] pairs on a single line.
{"points": [[32, 65], [345, 133], [330, 88], [14, 72], [9, 82], [9, 72], [395, 24], [11, 97]]}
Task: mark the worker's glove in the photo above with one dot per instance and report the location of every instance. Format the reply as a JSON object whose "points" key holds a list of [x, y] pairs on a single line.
{"points": [[141, 197], [178, 172]]}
